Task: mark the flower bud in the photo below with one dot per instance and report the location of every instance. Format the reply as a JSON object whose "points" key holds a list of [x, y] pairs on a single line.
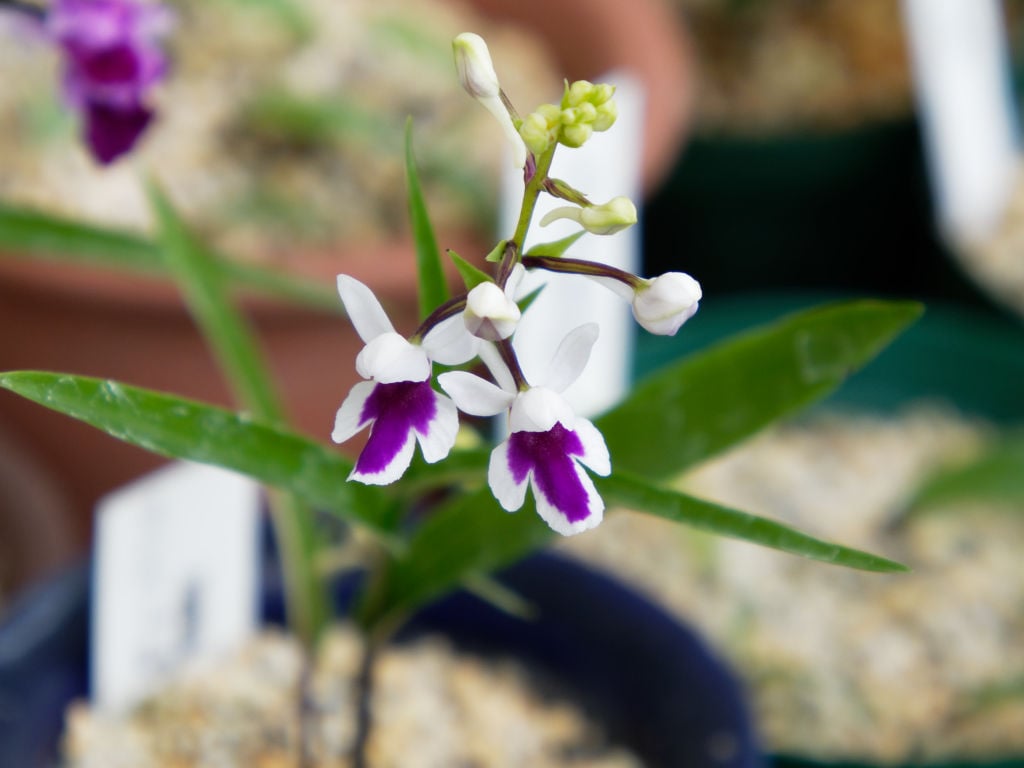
{"points": [[473, 62], [490, 313], [539, 130], [577, 93], [575, 136], [661, 305], [614, 216], [607, 113], [617, 214], [478, 78]]}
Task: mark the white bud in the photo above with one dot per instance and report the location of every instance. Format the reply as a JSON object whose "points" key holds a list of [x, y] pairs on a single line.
{"points": [[478, 78], [664, 303], [614, 216], [490, 313], [473, 62]]}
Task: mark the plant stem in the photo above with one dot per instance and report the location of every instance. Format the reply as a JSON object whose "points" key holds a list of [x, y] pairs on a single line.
{"points": [[364, 704], [530, 195]]}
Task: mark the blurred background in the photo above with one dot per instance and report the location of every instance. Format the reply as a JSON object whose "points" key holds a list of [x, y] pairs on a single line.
{"points": [[787, 158]]}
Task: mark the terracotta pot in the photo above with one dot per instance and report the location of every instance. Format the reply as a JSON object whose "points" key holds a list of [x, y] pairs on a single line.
{"points": [[34, 538], [134, 329]]}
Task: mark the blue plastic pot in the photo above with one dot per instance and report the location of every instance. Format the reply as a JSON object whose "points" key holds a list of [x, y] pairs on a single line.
{"points": [[653, 685]]}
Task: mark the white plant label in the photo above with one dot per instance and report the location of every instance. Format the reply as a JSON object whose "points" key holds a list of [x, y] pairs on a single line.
{"points": [[175, 577]]}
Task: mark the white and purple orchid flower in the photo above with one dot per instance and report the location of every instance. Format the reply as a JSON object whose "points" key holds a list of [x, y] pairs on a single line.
{"points": [[112, 59], [548, 444], [397, 401]]}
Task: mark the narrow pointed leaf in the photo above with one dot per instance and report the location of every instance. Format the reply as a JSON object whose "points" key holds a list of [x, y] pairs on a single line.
{"points": [[557, 248], [634, 493], [236, 350], [26, 234], [471, 275], [185, 429], [713, 399], [201, 282], [433, 289], [994, 477]]}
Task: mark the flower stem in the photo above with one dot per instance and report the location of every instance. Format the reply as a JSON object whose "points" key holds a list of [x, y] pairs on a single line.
{"points": [[582, 267], [533, 189]]}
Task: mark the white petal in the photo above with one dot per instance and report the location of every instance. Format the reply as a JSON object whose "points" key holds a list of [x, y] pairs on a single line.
{"points": [[619, 288], [497, 108], [595, 450], [515, 279], [564, 212], [392, 471], [449, 343], [538, 409], [506, 490], [571, 357], [492, 359], [440, 437], [390, 358], [558, 522], [346, 421], [365, 312], [473, 395]]}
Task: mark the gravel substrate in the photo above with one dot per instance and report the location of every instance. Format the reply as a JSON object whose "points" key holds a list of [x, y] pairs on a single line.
{"points": [[842, 663], [431, 708], [280, 128]]}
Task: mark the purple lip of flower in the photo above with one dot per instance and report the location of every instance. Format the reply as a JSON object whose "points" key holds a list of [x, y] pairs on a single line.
{"points": [[110, 132], [549, 455], [396, 410]]}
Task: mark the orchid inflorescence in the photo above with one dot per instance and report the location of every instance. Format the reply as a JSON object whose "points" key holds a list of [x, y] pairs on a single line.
{"points": [[548, 447], [112, 60]]}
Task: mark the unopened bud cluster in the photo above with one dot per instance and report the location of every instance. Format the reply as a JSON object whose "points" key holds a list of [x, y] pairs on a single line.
{"points": [[585, 108]]}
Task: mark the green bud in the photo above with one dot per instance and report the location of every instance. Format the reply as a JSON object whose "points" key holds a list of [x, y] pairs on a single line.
{"points": [[575, 135], [577, 93], [601, 93], [536, 134], [611, 217], [606, 115]]}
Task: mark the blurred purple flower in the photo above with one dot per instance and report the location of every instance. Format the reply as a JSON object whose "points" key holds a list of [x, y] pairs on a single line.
{"points": [[112, 59]]}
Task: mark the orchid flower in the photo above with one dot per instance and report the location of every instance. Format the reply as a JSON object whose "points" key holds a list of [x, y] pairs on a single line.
{"points": [[548, 444], [397, 401], [111, 61]]}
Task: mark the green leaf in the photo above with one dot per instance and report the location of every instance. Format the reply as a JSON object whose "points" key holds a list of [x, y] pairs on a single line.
{"points": [[994, 477], [556, 249], [184, 429], [231, 341], [634, 493], [433, 289], [497, 253], [468, 536], [235, 349], [472, 276], [715, 398], [525, 302], [26, 234]]}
